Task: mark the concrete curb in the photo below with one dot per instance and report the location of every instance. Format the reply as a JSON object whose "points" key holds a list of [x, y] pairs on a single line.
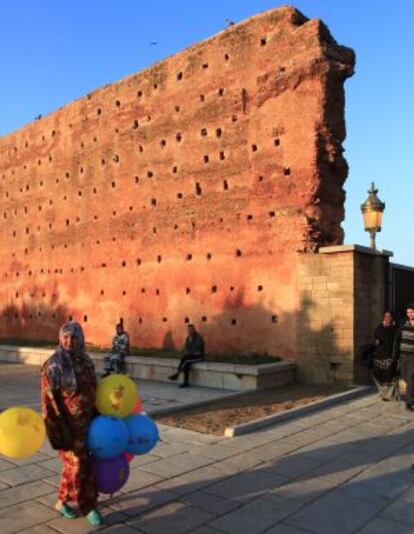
{"points": [[258, 424]]}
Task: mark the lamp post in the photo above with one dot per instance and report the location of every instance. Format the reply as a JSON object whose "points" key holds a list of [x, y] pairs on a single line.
{"points": [[372, 210]]}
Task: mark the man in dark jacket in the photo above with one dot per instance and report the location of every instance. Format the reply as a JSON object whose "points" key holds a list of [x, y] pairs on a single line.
{"points": [[193, 352], [404, 350]]}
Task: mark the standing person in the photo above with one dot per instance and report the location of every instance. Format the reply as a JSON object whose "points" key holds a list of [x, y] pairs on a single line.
{"points": [[384, 366], [68, 386], [193, 352], [115, 361], [404, 350]]}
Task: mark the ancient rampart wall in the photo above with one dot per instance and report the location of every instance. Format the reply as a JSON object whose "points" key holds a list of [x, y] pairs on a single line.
{"points": [[185, 192]]}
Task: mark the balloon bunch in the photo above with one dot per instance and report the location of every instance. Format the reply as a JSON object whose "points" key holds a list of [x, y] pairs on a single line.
{"points": [[119, 433], [22, 432]]}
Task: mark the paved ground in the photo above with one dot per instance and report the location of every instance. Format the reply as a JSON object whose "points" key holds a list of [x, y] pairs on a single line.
{"points": [[346, 469]]}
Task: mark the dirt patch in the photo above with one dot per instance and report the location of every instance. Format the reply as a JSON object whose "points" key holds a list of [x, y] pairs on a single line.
{"points": [[215, 417]]}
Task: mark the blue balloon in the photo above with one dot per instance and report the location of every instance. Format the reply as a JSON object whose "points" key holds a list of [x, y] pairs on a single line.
{"points": [[143, 434], [107, 437]]}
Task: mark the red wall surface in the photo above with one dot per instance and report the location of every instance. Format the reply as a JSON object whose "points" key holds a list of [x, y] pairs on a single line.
{"points": [[185, 192]]}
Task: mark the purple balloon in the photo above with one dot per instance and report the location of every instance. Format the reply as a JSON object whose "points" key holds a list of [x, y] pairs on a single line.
{"points": [[111, 474]]}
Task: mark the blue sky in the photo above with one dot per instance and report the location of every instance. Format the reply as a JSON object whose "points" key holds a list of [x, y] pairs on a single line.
{"points": [[54, 51]]}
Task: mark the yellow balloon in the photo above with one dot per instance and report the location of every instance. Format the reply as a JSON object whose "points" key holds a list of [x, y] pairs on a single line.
{"points": [[116, 395], [22, 432]]}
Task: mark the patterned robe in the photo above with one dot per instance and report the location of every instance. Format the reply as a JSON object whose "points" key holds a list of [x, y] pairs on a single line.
{"points": [[77, 481]]}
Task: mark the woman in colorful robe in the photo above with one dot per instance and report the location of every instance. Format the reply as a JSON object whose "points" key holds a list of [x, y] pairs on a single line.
{"points": [[68, 386]]}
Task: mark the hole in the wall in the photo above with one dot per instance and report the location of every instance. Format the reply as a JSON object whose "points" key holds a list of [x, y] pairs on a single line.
{"points": [[238, 252], [219, 132], [187, 290], [103, 161], [139, 261], [221, 91], [274, 319], [137, 179], [286, 171], [142, 289], [67, 174], [259, 288], [124, 292], [117, 103], [123, 263], [163, 143], [234, 322], [260, 178], [179, 195], [225, 185], [203, 132], [103, 265], [98, 111], [102, 292], [254, 148], [186, 320], [141, 148], [159, 258], [155, 86], [263, 41], [214, 289], [164, 319], [276, 142], [131, 208], [249, 217], [115, 158], [234, 118], [175, 226], [202, 98], [209, 255], [95, 191], [198, 189], [272, 213], [205, 65], [189, 257], [177, 109], [113, 184], [178, 137], [139, 94], [204, 319], [222, 155], [153, 202], [85, 318], [179, 76], [150, 174], [206, 158], [157, 291], [154, 230], [135, 124]]}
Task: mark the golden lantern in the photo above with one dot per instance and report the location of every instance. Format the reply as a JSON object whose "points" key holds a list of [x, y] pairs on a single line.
{"points": [[372, 210]]}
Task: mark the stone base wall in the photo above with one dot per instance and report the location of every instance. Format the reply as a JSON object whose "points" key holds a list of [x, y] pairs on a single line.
{"points": [[342, 293]]}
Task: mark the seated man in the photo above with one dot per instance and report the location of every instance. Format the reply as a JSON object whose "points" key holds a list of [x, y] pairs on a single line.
{"points": [[193, 352], [114, 361]]}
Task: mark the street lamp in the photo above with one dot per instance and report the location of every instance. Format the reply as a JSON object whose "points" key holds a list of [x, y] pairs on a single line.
{"points": [[372, 210]]}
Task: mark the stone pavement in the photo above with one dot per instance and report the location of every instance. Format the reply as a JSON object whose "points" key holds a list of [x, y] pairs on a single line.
{"points": [[342, 470]]}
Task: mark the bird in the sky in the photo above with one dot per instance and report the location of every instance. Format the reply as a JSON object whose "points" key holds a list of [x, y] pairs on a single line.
{"points": [[153, 43]]}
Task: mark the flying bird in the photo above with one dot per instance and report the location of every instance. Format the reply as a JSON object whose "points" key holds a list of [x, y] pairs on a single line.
{"points": [[153, 43]]}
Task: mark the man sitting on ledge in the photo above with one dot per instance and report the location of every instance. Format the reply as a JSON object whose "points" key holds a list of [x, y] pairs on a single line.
{"points": [[193, 352]]}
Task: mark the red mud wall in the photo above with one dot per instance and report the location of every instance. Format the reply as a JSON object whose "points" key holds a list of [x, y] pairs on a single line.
{"points": [[182, 193]]}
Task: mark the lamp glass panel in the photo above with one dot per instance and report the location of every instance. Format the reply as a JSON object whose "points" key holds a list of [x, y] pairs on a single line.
{"points": [[372, 220]]}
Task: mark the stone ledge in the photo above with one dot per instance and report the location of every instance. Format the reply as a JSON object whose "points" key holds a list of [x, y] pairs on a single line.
{"points": [[355, 248], [208, 374]]}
